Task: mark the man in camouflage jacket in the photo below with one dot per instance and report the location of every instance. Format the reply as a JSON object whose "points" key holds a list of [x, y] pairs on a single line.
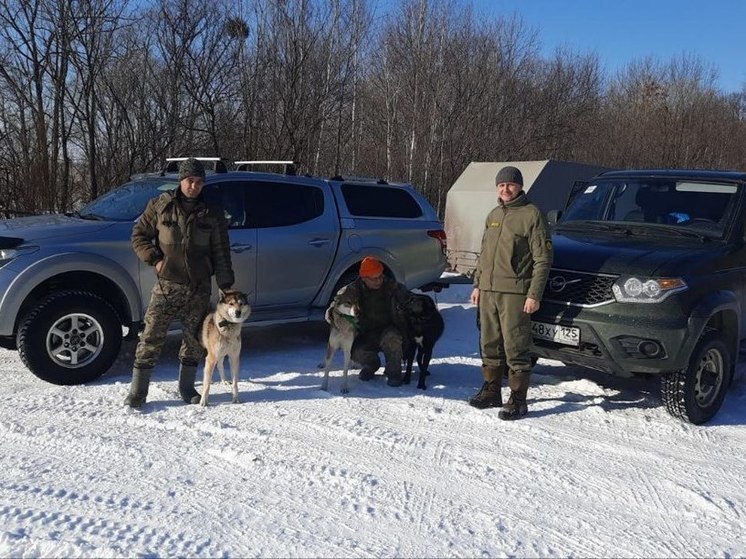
{"points": [[509, 280], [377, 297], [186, 240]]}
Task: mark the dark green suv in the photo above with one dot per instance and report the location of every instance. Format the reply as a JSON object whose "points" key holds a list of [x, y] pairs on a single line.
{"points": [[649, 276]]}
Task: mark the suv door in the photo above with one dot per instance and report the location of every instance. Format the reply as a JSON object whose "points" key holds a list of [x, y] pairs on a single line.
{"points": [[297, 234]]}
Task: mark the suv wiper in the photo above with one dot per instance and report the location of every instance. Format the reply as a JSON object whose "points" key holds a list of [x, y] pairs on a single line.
{"points": [[583, 224], [676, 230], [92, 217]]}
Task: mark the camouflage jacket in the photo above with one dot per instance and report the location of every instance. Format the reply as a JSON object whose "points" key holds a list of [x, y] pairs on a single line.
{"points": [[192, 246], [516, 250], [378, 307]]}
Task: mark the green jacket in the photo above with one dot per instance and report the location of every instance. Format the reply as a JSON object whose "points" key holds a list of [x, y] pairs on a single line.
{"points": [[516, 250], [378, 307], [192, 246]]}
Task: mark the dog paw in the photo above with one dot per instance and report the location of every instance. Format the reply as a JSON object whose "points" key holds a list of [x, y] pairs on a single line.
{"points": [[236, 401], [422, 387], [345, 391]]}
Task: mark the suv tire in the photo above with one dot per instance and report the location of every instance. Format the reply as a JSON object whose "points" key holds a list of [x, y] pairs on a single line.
{"points": [[696, 393], [50, 343]]}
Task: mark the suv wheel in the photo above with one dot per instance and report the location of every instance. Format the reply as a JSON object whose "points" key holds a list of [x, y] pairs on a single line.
{"points": [[70, 337], [696, 393]]}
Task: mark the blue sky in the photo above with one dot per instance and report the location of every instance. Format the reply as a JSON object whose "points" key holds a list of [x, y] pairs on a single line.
{"points": [[621, 31]]}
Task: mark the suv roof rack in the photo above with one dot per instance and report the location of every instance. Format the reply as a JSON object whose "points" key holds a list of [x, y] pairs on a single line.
{"points": [[350, 178], [290, 167], [218, 164]]}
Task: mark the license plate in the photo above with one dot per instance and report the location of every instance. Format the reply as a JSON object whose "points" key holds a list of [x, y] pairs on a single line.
{"points": [[556, 333]]}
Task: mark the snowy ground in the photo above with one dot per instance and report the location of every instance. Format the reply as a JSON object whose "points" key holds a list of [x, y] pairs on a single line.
{"points": [[597, 468]]}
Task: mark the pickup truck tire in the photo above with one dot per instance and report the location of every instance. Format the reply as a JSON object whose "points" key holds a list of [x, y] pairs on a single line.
{"points": [[70, 337], [696, 393]]}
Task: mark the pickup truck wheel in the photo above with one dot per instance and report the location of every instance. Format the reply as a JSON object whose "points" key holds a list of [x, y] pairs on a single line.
{"points": [[696, 393], [70, 337]]}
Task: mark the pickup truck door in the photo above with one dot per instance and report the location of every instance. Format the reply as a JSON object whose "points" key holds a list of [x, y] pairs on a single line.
{"points": [[297, 234], [231, 195]]}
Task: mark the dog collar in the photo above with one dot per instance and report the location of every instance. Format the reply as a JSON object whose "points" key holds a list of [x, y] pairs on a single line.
{"points": [[224, 323], [349, 318]]}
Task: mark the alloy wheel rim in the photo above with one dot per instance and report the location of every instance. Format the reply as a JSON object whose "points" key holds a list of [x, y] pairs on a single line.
{"points": [[74, 340]]}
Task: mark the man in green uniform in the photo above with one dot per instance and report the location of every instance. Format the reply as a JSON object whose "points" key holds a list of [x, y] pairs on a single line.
{"points": [[377, 297], [186, 240], [509, 280]]}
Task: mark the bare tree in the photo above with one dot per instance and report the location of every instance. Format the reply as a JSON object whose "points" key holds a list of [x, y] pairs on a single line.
{"points": [[92, 91]]}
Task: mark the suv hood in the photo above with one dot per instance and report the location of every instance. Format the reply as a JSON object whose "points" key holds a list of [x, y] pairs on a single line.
{"points": [[635, 255], [38, 227]]}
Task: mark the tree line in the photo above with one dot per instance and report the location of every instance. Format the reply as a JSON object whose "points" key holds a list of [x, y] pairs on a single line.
{"points": [[94, 91]]}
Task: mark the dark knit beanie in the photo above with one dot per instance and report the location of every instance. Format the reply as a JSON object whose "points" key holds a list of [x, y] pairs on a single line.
{"points": [[191, 168], [509, 174]]}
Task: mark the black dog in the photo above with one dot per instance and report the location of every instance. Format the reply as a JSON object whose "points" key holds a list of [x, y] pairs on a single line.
{"points": [[421, 326]]}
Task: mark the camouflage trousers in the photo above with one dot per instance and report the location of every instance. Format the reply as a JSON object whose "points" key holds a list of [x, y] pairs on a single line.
{"points": [[367, 345], [170, 302]]}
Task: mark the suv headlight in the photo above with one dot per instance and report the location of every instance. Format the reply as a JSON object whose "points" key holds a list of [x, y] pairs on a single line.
{"points": [[646, 290]]}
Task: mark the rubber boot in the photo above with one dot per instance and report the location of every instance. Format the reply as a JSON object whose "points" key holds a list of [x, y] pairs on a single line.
{"points": [[138, 387], [490, 395], [516, 406], [187, 374]]}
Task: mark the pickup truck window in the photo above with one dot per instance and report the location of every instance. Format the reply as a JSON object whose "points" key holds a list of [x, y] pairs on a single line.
{"points": [[276, 204], [127, 202], [374, 201]]}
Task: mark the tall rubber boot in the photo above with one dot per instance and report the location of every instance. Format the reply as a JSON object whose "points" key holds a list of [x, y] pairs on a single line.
{"points": [[516, 406], [138, 387], [490, 395], [187, 374]]}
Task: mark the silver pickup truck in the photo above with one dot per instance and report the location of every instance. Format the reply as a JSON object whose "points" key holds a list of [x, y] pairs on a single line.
{"points": [[71, 288]]}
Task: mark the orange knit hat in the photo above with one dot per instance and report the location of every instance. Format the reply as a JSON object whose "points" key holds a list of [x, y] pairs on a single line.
{"points": [[370, 267]]}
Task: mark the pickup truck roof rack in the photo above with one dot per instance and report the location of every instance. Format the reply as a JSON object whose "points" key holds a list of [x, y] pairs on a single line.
{"points": [[214, 164], [289, 167], [348, 178]]}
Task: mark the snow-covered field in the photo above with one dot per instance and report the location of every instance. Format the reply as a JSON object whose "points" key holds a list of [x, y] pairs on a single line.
{"points": [[597, 468]]}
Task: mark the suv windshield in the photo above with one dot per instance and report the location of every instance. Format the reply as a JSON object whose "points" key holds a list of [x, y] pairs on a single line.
{"points": [[702, 207], [128, 201]]}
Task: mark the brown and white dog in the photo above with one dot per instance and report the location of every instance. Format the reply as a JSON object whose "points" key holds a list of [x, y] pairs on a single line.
{"points": [[342, 321], [221, 337]]}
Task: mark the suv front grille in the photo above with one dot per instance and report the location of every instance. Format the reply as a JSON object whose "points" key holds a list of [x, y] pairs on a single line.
{"points": [[579, 289]]}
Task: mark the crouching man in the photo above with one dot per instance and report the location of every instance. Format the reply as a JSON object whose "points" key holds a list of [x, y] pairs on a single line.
{"points": [[377, 297]]}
